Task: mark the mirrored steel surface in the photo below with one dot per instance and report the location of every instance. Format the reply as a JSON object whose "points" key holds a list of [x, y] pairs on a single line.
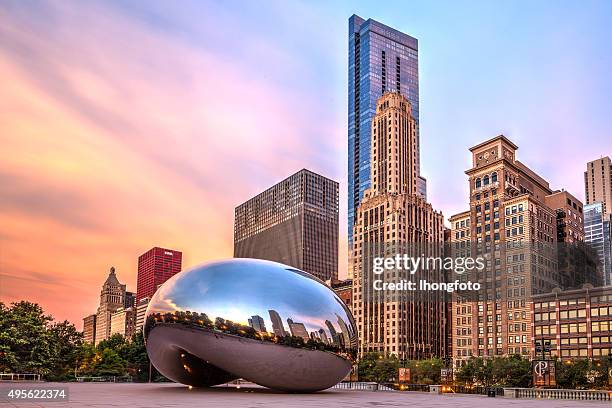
{"points": [[244, 318]]}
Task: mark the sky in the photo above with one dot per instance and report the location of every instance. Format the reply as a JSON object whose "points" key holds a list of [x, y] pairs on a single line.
{"points": [[127, 125]]}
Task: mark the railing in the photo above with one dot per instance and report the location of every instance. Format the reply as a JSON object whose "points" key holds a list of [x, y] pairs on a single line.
{"points": [[360, 386], [19, 377], [591, 395], [465, 389], [105, 379], [408, 387]]}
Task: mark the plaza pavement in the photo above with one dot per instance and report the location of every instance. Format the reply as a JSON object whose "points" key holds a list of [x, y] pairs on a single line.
{"points": [[135, 395]]}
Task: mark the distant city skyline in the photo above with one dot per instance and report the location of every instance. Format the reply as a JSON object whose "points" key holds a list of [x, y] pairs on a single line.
{"points": [[119, 127]]}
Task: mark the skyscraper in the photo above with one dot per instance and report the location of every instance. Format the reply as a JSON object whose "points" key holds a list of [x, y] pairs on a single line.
{"points": [[130, 300], [112, 297], [597, 234], [298, 329], [380, 59], [257, 322], [155, 267], [89, 329], [141, 310], [391, 218], [570, 223], [123, 322], [277, 323], [294, 222], [598, 183]]}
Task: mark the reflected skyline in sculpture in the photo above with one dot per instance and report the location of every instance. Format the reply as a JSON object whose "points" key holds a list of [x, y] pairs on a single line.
{"points": [[279, 322]]}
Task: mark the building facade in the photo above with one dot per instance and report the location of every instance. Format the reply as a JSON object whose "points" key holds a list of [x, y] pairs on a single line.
{"points": [[510, 225], [577, 323], [597, 235], [112, 298], [380, 59], [130, 300], [89, 329], [295, 222], [277, 324], [390, 218], [141, 311], [123, 322], [344, 290], [257, 322], [155, 267], [598, 183], [570, 221]]}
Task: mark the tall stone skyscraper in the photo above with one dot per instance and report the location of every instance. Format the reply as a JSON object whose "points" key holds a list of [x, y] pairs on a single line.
{"points": [[380, 59], [392, 218], [294, 222], [598, 183], [112, 297]]}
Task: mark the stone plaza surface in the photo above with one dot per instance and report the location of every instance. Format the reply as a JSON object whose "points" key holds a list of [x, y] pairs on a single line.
{"points": [[134, 395]]}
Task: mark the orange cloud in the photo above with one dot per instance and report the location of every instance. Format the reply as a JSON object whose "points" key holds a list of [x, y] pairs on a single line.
{"points": [[117, 138]]}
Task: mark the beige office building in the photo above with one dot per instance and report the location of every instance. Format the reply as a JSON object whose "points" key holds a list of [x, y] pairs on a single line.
{"points": [[112, 297], [598, 183], [141, 310], [391, 217], [123, 322]]}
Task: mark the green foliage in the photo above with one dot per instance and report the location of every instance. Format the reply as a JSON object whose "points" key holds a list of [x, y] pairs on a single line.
{"points": [[115, 342], [512, 371], [583, 374], [378, 367], [425, 371], [110, 363], [25, 339], [30, 342]]}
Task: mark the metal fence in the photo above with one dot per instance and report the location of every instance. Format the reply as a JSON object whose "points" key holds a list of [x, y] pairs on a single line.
{"points": [[480, 390], [126, 378], [19, 377], [387, 386]]}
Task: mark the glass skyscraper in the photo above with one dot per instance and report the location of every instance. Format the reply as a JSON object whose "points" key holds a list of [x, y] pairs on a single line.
{"points": [[598, 235], [381, 59]]}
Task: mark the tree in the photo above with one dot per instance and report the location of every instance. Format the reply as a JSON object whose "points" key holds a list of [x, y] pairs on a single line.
{"points": [[24, 339], [466, 373], [425, 371], [512, 371], [136, 355], [378, 367], [110, 364], [115, 342], [64, 341], [573, 374], [476, 371]]}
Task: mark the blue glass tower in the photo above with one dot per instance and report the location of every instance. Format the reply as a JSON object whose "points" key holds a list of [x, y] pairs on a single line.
{"points": [[381, 59]]}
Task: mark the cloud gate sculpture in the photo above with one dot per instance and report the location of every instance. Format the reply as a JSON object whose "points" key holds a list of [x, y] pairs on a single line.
{"points": [[262, 321]]}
